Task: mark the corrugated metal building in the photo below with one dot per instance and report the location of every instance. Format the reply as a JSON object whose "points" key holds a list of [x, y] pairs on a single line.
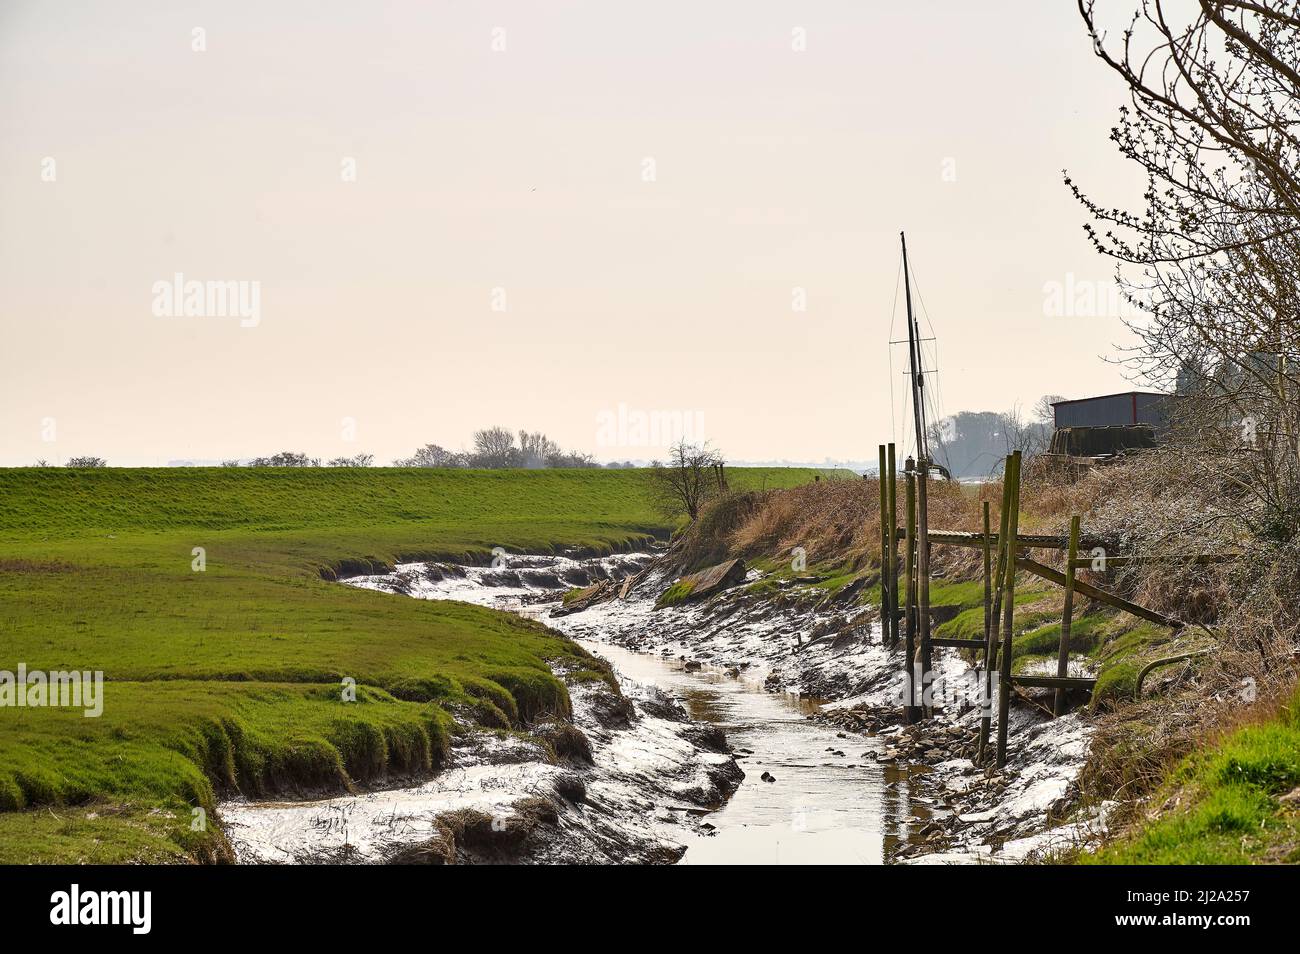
{"points": [[1111, 410]]}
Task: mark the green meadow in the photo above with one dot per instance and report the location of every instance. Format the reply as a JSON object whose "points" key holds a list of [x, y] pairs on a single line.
{"points": [[229, 679]]}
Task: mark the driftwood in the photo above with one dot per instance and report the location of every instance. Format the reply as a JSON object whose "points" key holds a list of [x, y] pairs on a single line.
{"points": [[713, 580]]}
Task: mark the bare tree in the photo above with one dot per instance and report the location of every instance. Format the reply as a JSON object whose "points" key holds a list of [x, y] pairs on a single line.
{"points": [[495, 447], [285, 459], [690, 477], [536, 449], [87, 463], [976, 442], [357, 460], [1044, 413], [1209, 259], [433, 455]]}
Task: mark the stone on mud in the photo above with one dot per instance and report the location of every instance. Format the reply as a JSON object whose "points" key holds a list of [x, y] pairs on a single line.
{"points": [[709, 737]]}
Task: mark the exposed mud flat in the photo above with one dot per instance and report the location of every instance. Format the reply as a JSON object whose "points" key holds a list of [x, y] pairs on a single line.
{"points": [[806, 696], [810, 794], [508, 581], [1023, 811], [819, 651], [833, 650], [652, 774]]}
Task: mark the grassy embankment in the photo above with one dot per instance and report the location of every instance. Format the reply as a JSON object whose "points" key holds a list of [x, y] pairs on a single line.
{"points": [[230, 678], [1237, 801]]}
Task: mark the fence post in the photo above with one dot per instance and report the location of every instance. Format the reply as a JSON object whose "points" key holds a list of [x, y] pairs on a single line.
{"points": [[910, 712], [884, 548], [1067, 617], [893, 547], [1008, 605], [988, 612], [995, 614], [923, 571]]}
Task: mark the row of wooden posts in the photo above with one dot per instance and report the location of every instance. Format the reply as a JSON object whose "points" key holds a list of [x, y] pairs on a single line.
{"points": [[1005, 553]]}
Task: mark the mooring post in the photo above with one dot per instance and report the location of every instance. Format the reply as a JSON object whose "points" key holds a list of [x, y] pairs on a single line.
{"points": [[910, 712], [1008, 606], [988, 610], [893, 546], [923, 571], [1067, 618], [988, 575], [991, 643], [884, 548]]}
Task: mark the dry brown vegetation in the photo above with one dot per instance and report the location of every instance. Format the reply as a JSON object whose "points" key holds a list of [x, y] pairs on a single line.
{"points": [[1145, 508], [836, 521]]}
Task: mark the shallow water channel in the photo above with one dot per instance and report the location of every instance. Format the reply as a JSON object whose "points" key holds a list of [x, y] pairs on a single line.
{"points": [[828, 801], [823, 808]]}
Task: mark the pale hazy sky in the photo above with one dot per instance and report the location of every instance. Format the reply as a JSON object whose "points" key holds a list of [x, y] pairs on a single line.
{"points": [[524, 171]]}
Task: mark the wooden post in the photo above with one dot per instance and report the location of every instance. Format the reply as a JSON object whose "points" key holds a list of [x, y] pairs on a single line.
{"points": [[988, 610], [910, 712], [923, 571], [893, 546], [1067, 618], [988, 574], [1008, 606], [995, 611], [884, 548]]}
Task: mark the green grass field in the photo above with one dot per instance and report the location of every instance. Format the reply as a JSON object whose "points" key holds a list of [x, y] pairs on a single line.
{"points": [[230, 678]]}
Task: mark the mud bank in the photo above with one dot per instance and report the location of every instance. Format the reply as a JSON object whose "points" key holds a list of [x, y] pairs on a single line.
{"points": [[505, 797], [811, 794], [827, 650], [808, 794], [832, 650], [806, 696], [631, 785], [1024, 811]]}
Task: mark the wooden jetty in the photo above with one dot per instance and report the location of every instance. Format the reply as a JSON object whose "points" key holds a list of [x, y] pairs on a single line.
{"points": [[1006, 553]]}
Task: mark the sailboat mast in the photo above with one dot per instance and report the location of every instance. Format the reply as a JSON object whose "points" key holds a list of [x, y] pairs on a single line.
{"points": [[914, 361], [923, 661]]}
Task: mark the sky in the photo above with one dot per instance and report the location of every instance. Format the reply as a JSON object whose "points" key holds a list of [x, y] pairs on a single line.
{"points": [[594, 219]]}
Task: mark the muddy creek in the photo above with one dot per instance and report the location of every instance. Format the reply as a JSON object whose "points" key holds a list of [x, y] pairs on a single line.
{"points": [[823, 808], [810, 794]]}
